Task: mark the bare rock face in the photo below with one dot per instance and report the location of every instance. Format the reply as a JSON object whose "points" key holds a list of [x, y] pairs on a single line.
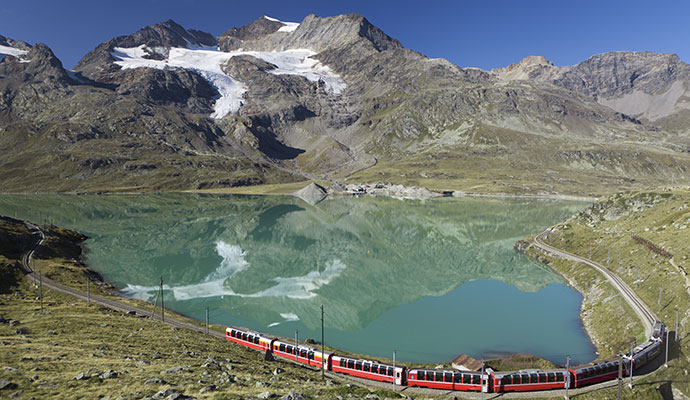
{"points": [[311, 193], [624, 115]]}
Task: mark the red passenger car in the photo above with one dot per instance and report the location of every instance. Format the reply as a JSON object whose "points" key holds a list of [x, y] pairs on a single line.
{"points": [[526, 380], [247, 338], [449, 380], [368, 369]]}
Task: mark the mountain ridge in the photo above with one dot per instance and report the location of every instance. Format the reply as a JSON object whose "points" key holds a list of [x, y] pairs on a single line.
{"points": [[337, 98]]}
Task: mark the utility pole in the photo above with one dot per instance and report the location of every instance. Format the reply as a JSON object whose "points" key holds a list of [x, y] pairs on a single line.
{"points": [[207, 320], [296, 345], [395, 375], [40, 282], [323, 349], [620, 375], [162, 301], [482, 379], [567, 376], [666, 362], [632, 349]]}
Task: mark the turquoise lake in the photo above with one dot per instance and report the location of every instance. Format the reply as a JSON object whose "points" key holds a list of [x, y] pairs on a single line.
{"points": [[429, 279]]}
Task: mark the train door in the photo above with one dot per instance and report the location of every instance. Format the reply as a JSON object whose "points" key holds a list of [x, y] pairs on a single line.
{"points": [[398, 377], [485, 383]]}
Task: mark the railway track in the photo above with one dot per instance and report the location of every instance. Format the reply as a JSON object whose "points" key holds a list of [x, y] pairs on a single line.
{"points": [[646, 315], [106, 302]]}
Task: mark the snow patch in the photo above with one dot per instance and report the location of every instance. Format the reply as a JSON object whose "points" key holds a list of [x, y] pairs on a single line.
{"points": [[214, 285], [287, 26], [288, 317], [11, 51], [207, 62]]}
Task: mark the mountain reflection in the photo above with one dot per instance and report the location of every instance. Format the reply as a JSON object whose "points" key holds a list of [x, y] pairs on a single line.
{"points": [[277, 259]]}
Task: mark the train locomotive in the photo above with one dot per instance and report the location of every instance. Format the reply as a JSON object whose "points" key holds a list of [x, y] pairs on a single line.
{"points": [[489, 381]]}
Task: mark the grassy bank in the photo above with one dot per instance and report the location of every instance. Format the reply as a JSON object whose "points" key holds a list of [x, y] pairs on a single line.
{"points": [[608, 230]]}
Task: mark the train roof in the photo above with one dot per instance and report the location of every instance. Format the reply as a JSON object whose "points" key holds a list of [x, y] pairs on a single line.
{"points": [[529, 371]]}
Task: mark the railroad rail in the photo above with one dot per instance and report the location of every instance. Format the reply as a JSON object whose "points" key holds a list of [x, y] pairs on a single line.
{"points": [[112, 304], [646, 315]]}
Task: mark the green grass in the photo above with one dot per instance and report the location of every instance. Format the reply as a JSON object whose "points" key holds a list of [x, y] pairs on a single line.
{"points": [[662, 217]]}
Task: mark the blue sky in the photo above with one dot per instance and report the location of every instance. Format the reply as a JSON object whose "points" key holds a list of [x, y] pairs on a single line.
{"points": [[479, 33]]}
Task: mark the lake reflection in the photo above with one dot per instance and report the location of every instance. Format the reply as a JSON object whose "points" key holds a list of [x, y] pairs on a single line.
{"points": [[269, 263]]}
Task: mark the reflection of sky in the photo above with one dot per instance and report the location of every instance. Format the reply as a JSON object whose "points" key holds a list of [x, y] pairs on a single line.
{"points": [[233, 261]]}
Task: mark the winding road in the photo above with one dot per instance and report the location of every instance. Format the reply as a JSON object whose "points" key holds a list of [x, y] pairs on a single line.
{"points": [[646, 315]]}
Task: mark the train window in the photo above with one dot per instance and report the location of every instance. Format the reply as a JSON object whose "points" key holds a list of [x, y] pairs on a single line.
{"points": [[311, 355], [351, 364], [559, 377], [288, 349], [448, 376], [304, 353], [421, 375], [366, 367], [256, 340], [374, 368], [533, 378], [476, 379], [457, 378], [525, 378], [439, 377], [390, 371], [551, 377], [282, 347], [358, 365], [232, 333], [466, 378], [542, 377]]}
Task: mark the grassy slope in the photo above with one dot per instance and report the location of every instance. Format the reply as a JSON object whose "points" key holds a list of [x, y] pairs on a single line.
{"points": [[662, 217], [74, 337]]}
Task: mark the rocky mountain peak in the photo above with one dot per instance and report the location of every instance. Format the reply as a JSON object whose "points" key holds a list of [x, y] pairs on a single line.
{"points": [[527, 68], [156, 41], [314, 33]]}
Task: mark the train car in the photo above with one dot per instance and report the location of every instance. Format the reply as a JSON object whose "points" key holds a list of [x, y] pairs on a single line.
{"points": [[527, 380], [368, 369], [659, 331], [591, 374], [301, 353], [646, 352], [449, 380], [248, 338]]}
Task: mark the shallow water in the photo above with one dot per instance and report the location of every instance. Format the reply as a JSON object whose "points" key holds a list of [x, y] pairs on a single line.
{"points": [[429, 279]]}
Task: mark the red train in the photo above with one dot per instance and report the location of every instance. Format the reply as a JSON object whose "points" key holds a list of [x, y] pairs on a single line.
{"points": [[489, 382]]}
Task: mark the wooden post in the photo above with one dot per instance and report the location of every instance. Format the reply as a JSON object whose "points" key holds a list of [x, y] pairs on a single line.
{"points": [[162, 301], [155, 304], [40, 282]]}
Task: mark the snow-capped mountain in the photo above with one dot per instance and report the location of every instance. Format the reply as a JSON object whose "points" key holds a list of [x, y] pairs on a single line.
{"points": [[335, 97]]}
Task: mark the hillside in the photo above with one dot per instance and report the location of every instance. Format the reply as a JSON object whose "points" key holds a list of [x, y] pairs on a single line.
{"points": [[641, 236], [170, 108]]}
